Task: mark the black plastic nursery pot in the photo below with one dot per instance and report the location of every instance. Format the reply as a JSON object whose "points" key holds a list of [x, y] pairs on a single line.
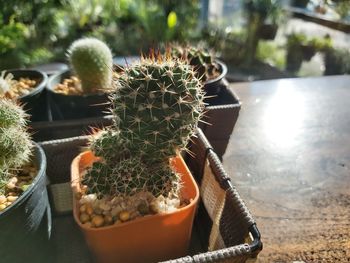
{"points": [[65, 107], [221, 114], [267, 31], [308, 52], [26, 224], [294, 59], [35, 101], [59, 129], [300, 3], [213, 86]]}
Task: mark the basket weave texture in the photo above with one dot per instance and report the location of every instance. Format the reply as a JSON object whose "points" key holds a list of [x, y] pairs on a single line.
{"points": [[224, 230]]}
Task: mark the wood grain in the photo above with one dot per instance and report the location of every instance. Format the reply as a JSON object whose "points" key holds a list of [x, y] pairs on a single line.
{"points": [[289, 157]]}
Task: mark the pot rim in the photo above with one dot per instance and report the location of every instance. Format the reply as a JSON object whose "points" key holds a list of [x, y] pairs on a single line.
{"points": [[223, 73], [76, 189], [39, 87], [38, 156], [62, 75]]}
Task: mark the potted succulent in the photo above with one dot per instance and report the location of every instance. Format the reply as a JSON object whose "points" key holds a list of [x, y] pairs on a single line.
{"points": [[209, 70], [300, 47], [262, 23], [133, 191], [26, 86], [82, 92], [25, 218]]}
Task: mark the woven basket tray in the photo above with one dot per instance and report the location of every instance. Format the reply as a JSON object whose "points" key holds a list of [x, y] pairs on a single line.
{"points": [[220, 118], [224, 230]]}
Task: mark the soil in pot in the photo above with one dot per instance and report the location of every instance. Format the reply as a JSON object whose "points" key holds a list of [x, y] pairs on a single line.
{"points": [[67, 100], [17, 184], [115, 232], [27, 86]]}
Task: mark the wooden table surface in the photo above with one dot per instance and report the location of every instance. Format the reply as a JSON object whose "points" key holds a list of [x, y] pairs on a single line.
{"points": [[289, 157]]}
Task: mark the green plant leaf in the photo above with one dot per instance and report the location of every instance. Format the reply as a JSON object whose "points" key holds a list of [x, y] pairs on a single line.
{"points": [[172, 19]]}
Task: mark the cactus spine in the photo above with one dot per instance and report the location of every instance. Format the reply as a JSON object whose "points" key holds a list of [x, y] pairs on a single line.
{"points": [[15, 143], [156, 107], [92, 61]]}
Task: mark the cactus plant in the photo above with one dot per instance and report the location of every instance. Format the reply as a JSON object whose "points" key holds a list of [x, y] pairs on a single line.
{"points": [[92, 61], [156, 107], [202, 60], [15, 143]]}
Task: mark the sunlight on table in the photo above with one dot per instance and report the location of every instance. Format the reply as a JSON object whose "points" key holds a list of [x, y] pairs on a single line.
{"points": [[284, 116]]}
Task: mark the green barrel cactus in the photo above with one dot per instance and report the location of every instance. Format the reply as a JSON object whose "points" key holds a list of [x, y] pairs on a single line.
{"points": [[92, 61], [201, 59], [156, 107], [15, 142]]}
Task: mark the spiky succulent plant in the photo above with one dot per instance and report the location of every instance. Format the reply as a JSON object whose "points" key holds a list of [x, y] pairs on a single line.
{"points": [[15, 143], [156, 107], [201, 59], [92, 61]]}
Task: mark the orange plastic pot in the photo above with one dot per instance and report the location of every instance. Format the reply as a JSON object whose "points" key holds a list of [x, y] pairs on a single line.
{"points": [[151, 238]]}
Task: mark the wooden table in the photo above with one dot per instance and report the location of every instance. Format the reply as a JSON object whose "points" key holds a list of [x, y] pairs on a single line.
{"points": [[289, 156]]}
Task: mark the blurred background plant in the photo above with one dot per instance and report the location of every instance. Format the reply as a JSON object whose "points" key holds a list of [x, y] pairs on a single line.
{"points": [[37, 31], [242, 33]]}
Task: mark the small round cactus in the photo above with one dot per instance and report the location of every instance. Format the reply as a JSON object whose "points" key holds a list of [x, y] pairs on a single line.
{"points": [[92, 61], [15, 142], [201, 60]]}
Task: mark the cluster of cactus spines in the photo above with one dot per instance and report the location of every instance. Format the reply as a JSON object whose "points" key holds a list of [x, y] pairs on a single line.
{"points": [[156, 107], [200, 58], [108, 145], [129, 177], [15, 142], [92, 61], [6, 82]]}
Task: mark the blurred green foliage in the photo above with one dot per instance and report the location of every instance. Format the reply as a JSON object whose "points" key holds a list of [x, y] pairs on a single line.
{"points": [[271, 53], [37, 31]]}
